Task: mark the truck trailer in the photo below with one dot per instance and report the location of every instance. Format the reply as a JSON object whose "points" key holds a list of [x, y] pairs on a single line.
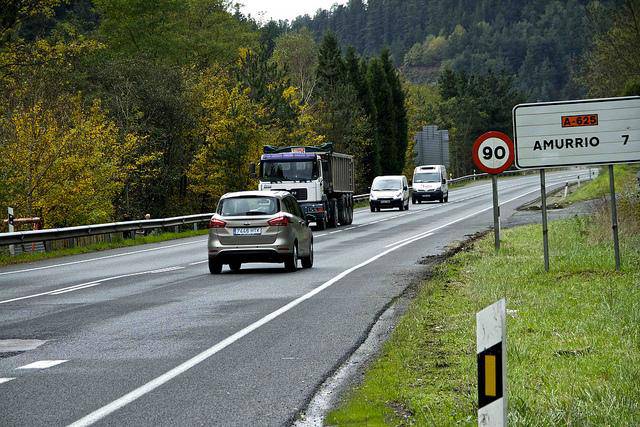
{"points": [[321, 180]]}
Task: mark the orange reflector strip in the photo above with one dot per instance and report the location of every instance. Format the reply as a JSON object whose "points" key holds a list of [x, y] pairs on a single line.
{"points": [[490, 375]]}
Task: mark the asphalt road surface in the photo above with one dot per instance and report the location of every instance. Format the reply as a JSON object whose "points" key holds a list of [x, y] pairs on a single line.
{"points": [[146, 336]]}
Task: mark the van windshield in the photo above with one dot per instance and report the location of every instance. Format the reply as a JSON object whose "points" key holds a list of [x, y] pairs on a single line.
{"points": [[386, 184], [426, 177]]}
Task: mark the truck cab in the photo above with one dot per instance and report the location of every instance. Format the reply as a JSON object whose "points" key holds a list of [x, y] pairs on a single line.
{"points": [[430, 183]]}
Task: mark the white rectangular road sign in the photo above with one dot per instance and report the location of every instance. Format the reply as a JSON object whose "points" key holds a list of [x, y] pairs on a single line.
{"points": [[582, 132]]}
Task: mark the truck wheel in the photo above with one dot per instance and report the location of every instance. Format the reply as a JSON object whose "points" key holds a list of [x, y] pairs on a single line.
{"points": [[214, 267], [343, 215], [350, 214], [333, 213]]}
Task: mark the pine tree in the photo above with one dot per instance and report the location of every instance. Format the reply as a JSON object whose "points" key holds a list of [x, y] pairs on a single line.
{"points": [[385, 137]]}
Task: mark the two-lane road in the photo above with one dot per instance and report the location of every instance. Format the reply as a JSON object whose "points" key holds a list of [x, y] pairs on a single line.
{"points": [[145, 336]]}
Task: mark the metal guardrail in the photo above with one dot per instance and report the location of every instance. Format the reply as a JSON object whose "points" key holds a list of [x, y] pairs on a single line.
{"points": [[361, 197], [97, 229]]}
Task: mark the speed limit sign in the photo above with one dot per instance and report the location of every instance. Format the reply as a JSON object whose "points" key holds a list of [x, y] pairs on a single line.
{"points": [[493, 152]]}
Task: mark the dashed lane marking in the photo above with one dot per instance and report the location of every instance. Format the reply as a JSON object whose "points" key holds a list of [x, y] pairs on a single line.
{"points": [[5, 380], [42, 364]]}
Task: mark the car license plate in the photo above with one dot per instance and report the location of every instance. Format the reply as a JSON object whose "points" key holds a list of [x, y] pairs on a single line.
{"points": [[386, 202], [254, 231]]}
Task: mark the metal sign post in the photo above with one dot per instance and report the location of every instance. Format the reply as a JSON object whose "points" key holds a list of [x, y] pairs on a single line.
{"points": [[493, 153], [491, 349], [614, 218], [496, 211], [545, 229]]}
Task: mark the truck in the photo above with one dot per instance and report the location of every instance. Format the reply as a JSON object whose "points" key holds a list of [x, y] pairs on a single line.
{"points": [[321, 180]]}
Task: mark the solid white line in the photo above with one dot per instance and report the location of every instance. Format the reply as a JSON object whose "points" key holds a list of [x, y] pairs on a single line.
{"points": [[133, 395], [42, 364], [99, 258], [166, 270], [199, 262], [5, 380]]}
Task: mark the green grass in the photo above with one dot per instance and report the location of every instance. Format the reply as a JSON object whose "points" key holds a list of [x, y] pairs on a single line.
{"points": [[599, 187], [118, 242], [573, 337]]}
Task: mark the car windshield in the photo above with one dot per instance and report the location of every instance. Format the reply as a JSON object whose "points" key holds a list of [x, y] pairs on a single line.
{"points": [[426, 177], [295, 170], [386, 184], [246, 206]]}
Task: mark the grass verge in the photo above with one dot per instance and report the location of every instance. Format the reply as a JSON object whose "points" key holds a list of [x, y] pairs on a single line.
{"points": [[573, 336], [599, 187], [6, 259]]}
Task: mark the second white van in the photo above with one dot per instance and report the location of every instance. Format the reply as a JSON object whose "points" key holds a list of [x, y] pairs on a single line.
{"points": [[430, 183]]}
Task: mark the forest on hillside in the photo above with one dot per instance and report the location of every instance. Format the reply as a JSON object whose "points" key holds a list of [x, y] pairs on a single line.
{"points": [[113, 109], [540, 42]]}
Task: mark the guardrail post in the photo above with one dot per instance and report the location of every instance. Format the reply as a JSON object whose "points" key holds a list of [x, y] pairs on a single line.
{"points": [[614, 218], [545, 229]]}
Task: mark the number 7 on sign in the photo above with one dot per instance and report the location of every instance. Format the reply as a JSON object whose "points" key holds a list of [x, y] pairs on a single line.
{"points": [[625, 139]]}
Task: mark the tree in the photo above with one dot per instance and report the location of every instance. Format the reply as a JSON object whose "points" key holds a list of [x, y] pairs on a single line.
{"points": [[233, 137], [64, 161], [612, 66], [297, 54], [385, 130]]}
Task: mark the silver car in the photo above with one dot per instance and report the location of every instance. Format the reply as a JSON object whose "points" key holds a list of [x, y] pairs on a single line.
{"points": [[259, 226]]}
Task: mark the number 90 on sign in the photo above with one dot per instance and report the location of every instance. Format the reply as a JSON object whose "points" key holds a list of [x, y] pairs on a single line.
{"points": [[493, 152]]}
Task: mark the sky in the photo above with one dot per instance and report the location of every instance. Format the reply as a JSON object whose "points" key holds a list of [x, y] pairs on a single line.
{"points": [[263, 10]]}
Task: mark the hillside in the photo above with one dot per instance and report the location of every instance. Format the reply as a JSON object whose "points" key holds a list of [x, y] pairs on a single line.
{"points": [[539, 41]]}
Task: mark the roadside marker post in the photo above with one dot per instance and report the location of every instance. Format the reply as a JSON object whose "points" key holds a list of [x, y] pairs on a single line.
{"points": [[576, 133], [12, 250], [491, 352], [493, 153]]}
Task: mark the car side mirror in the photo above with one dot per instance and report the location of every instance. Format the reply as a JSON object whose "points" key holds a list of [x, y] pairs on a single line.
{"points": [[252, 171]]}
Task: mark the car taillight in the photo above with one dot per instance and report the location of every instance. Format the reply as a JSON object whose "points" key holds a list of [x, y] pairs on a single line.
{"points": [[281, 221], [217, 223]]}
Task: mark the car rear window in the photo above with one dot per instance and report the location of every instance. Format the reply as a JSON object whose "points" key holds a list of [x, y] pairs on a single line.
{"points": [[249, 205]]}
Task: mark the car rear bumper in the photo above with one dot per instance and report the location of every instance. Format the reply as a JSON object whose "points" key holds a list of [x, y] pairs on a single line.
{"points": [[226, 256]]}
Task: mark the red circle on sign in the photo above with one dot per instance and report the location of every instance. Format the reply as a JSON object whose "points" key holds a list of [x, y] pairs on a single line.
{"points": [[476, 155]]}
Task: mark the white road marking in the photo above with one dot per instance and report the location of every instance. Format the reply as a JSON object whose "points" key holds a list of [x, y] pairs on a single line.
{"points": [[94, 283], [133, 395], [322, 235], [5, 380], [100, 258], [337, 231], [42, 364], [75, 288], [199, 262], [421, 235], [166, 270]]}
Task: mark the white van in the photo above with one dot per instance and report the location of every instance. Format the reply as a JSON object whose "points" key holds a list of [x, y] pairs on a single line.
{"points": [[430, 183], [391, 191]]}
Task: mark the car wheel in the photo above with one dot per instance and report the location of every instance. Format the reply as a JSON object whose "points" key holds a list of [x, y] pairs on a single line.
{"points": [[406, 208], [291, 263], [214, 267], [321, 224], [235, 266], [307, 262], [413, 200], [373, 209], [446, 199]]}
